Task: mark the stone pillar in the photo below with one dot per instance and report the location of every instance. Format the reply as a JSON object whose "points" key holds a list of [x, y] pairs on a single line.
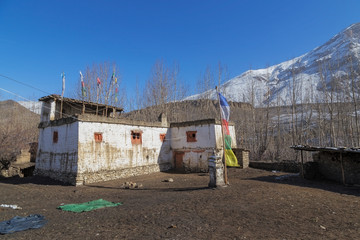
{"points": [[216, 171]]}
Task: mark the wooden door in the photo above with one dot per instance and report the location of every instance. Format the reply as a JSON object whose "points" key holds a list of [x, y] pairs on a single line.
{"points": [[179, 160]]}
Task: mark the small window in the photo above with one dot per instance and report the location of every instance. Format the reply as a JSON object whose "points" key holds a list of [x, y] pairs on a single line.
{"points": [[136, 137], [191, 136], [55, 136], [162, 137], [98, 137]]}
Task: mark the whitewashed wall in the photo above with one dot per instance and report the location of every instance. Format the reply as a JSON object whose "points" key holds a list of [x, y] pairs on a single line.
{"points": [[77, 158], [196, 154], [48, 111], [116, 156], [219, 143], [205, 137], [58, 160]]}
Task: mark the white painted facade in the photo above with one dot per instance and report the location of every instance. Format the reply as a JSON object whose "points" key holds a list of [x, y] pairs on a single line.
{"points": [[116, 155], [194, 155], [60, 158], [48, 111], [78, 156]]}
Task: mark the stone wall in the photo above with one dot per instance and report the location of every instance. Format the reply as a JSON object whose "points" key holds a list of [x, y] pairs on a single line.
{"points": [[107, 175], [329, 166], [287, 166], [242, 156]]}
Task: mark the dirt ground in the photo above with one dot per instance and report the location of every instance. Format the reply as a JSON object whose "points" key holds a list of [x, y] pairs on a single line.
{"points": [[255, 205]]}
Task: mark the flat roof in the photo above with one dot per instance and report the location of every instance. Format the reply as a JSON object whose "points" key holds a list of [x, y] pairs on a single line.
{"points": [[56, 97], [326, 149]]}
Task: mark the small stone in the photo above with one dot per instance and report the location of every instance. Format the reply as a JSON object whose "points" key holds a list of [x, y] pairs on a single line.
{"points": [[168, 180], [172, 226], [322, 227]]}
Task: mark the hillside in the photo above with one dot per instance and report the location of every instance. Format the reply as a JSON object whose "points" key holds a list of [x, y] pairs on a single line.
{"points": [[18, 127], [188, 111]]}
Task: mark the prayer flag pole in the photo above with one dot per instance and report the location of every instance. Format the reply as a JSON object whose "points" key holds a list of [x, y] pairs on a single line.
{"points": [[62, 93], [223, 138], [98, 83], [83, 92]]}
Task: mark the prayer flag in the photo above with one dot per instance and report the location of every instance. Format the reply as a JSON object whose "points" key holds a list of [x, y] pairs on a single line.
{"points": [[63, 84], [98, 81], [83, 90], [230, 157]]}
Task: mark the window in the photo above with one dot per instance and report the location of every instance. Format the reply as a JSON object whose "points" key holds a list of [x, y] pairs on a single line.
{"points": [[136, 137], [162, 137], [98, 137], [55, 136], [191, 136]]}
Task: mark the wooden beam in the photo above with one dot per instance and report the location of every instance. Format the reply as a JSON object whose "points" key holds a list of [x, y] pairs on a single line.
{"points": [[83, 108], [302, 163], [342, 169], [61, 107]]}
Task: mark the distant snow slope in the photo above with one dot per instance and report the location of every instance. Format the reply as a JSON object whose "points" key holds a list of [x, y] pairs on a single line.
{"points": [[334, 65], [32, 106]]}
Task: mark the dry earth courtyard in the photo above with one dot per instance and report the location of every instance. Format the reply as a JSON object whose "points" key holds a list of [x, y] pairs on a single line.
{"points": [[256, 205]]}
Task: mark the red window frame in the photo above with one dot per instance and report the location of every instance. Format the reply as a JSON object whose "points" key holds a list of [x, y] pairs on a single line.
{"points": [[162, 137], [98, 137], [191, 136], [136, 137]]}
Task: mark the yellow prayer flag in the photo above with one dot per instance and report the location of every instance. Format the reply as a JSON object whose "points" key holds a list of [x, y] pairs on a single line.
{"points": [[231, 159]]}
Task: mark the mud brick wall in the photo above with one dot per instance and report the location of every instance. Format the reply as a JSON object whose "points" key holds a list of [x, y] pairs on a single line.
{"points": [[329, 166], [242, 156]]}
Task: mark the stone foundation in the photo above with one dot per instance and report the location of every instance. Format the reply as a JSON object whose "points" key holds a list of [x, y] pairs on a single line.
{"points": [[93, 177], [86, 178]]}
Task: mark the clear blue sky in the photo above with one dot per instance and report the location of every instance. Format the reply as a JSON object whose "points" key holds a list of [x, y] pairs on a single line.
{"points": [[40, 39]]}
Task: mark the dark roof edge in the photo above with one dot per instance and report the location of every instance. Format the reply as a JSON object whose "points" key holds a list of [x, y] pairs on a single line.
{"points": [[58, 97], [198, 122], [99, 119], [326, 149]]}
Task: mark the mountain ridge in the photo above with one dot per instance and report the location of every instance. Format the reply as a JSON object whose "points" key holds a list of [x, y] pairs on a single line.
{"points": [[326, 67]]}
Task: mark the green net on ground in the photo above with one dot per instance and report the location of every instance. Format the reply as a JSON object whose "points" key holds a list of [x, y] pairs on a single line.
{"points": [[88, 206]]}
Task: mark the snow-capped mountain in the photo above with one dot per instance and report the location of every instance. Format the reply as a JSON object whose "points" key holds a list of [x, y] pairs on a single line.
{"points": [[334, 66]]}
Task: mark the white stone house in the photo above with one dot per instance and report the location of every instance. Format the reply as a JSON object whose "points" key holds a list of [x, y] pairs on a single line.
{"points": [[83, 142]]}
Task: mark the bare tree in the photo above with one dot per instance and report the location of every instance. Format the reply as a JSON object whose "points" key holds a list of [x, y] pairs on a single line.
{"points": [[163, 86], [102, 84], [206, 82]]}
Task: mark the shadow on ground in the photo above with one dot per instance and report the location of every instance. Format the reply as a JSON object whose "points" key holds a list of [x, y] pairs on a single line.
{"points": [[185, 189], [296, 180], [32, 180]]}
